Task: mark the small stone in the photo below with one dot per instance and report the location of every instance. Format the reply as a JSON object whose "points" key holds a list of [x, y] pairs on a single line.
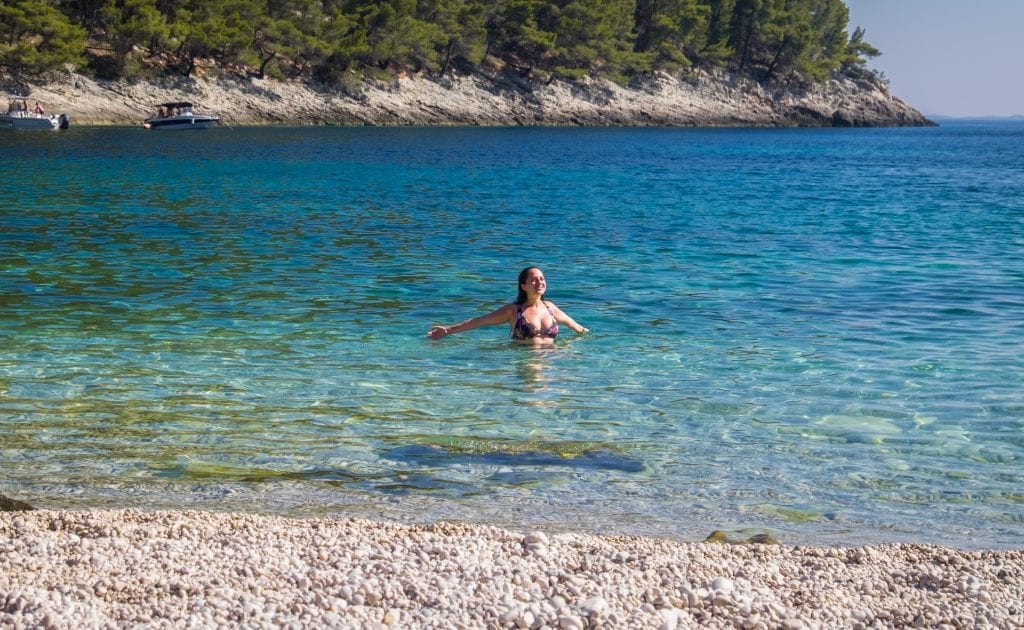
{"points": [[594, 605], [535, 538], [537, 549], [570, 622], [722, 585], [692, 598]]}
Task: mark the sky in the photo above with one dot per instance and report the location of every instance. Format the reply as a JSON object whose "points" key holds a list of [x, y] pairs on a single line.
{"points": [[948, 57]]}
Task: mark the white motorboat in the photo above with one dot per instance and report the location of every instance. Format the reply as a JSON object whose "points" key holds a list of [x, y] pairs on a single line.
{"points": [[18, 116], [179, 115]]}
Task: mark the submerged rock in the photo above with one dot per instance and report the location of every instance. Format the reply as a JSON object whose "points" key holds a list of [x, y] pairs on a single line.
{"points": [[13, 505], [718, 536]]}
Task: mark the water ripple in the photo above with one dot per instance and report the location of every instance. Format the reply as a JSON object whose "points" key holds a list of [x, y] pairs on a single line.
{"points": [[815, 332]]}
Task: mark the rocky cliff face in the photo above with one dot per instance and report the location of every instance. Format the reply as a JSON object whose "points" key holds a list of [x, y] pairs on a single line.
{"points": [[701, 99]]}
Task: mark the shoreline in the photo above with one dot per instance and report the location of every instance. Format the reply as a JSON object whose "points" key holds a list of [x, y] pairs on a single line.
{"points": [[65, 568], [700, 99]]}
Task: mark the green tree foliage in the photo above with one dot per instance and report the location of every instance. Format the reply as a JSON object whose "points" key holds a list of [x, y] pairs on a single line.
{"points": [[672, 32], [858, 51], [219, 30], [717, 49], [519, 32], [35, 37], [593, 36], [336, 40], [744, 24], [807, 37], [830, 43], [134, 30], [288, 31], [346, 43], [388, 35], [87, 13], [464, 32], [134, 23], [784, 35]]}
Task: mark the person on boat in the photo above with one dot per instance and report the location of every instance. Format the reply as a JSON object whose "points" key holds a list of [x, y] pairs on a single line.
{"points": [[39, 109], [531, 319]]}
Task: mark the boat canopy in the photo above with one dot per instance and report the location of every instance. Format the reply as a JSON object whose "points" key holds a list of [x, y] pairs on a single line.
{"points": [[15, 103]]}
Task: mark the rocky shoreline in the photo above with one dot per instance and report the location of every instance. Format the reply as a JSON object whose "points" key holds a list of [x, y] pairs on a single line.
{"points": [[98, 569], [699, 99]]}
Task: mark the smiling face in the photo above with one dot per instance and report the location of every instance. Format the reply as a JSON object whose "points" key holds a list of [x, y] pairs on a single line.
{"points": [[532, 281]]}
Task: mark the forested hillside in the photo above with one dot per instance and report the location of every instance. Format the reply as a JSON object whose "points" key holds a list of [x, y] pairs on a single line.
{"points": [[337, 41]]}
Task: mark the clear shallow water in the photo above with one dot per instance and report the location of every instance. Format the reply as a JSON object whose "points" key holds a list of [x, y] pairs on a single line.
{"points": [[811, 333]]}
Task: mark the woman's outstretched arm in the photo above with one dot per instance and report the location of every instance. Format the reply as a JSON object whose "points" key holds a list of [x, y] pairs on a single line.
{"points": [[562, 318], [499, 316]]}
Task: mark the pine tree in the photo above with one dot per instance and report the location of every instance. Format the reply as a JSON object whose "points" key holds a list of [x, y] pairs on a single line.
{"points": [[288, 31], [671, 31], [519, 31], [35, 37], [592, 36], [717, 49], [338, 41]]}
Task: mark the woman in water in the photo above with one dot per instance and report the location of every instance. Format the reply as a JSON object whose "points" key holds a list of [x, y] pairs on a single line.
{"points": [[531, 318]]}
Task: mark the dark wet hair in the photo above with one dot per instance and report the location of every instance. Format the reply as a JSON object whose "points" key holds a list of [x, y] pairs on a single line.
{"points": [[523, 275]]}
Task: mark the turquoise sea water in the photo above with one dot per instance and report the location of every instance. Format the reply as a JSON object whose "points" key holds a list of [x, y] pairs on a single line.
{"points": [[811, 333]]}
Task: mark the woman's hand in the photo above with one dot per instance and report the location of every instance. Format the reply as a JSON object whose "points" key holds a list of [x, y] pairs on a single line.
{"points": [[437, 332]]}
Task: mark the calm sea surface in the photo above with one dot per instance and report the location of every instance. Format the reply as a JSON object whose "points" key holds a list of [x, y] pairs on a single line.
{"points": [[818, 334]]}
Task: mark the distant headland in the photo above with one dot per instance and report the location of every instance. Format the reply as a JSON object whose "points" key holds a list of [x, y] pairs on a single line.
{"points": [[693, 63], [696, 98]]}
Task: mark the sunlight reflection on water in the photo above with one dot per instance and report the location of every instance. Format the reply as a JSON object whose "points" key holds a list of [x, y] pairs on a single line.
{"points": [[235, 320]]}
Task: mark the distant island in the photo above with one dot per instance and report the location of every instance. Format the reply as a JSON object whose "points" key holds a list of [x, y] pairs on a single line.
{"points": [[941, 117], [451, 62]]}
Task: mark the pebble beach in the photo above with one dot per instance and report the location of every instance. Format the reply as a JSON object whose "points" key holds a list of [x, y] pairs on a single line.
{"points": [[128, 568]]}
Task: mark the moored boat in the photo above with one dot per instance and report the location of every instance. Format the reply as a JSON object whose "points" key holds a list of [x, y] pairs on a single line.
{"points": [[18, 116], [179, 115]]}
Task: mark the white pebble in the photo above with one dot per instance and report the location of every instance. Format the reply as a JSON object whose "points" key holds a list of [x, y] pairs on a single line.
{"points": [[535, 538], [722, 584], [594, 605]]}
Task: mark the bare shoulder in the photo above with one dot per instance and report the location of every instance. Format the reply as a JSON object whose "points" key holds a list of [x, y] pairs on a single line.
{"points": [[508, 311]]}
